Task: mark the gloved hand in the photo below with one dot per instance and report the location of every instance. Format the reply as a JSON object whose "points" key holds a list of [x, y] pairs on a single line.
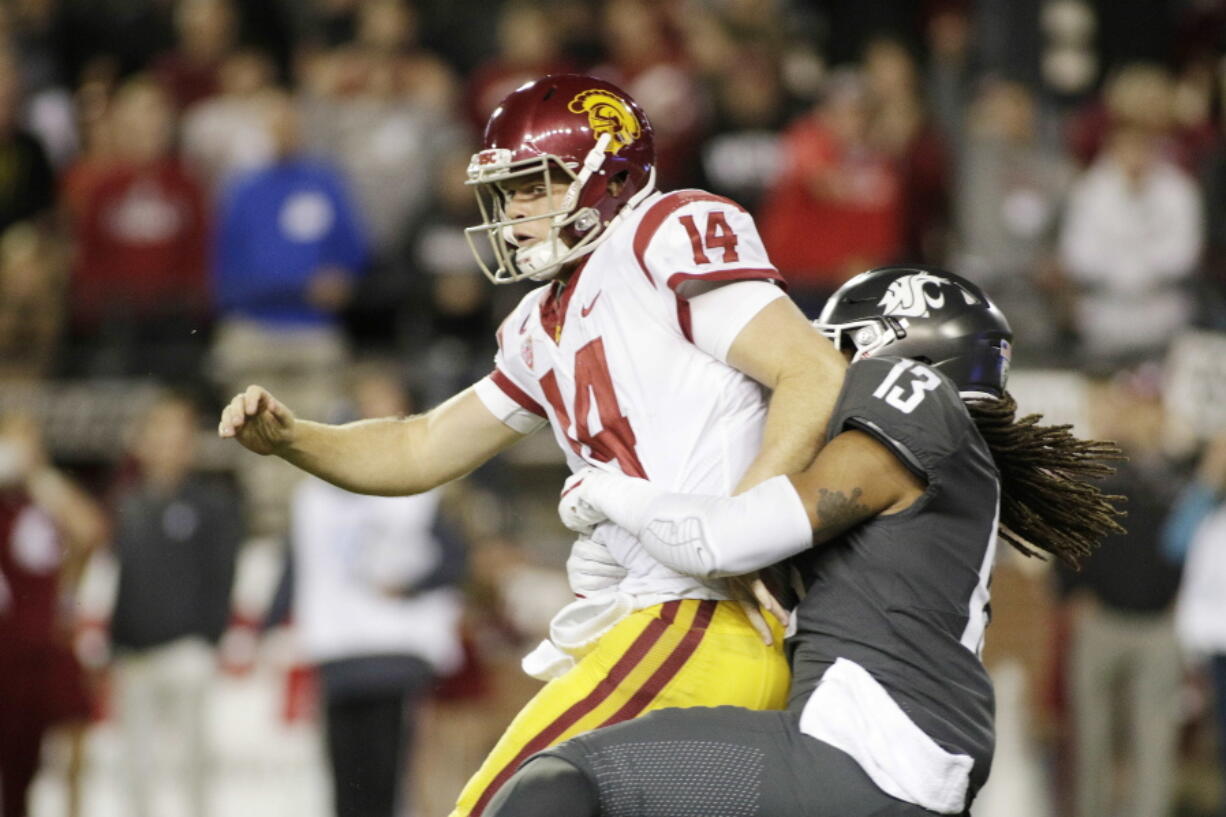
{"points": [[576, 511], [592, 569]]}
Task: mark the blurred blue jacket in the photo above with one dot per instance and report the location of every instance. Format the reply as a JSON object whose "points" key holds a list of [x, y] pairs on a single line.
{"points": [[276, 227]]}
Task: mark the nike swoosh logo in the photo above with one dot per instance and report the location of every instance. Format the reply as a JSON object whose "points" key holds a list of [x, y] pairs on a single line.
{"points": [[585, 311]]}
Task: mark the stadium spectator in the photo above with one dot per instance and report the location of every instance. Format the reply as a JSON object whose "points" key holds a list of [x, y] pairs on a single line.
{"points": [[27, 188], [140, 302], [31, 303], [97, 152], [33, 29], [376, 131], [48, 527], [1010, 194], [30, 29], [902, 127], [175, 542], [328, 24], [206, 31], [1213, 269], [644, 57], [1123, 644], [949, 74], [389, 28], [226, 135], [288, 249], [528, 47], [445, 307], [1146, 96], [377, 609], [837, 208], [1195, 536], [1130, 242], [744, 152]]}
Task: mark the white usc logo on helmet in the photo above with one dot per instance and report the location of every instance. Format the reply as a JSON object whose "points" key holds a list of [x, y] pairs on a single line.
{"points": [[907, 297], [608, 113]]}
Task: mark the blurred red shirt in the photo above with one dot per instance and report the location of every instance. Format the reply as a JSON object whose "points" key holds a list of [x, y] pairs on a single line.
{"points": [[814, 239], [141, 237]]}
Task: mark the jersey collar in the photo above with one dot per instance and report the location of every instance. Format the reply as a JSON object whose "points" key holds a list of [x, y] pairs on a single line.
{"points": [[557, 300]]}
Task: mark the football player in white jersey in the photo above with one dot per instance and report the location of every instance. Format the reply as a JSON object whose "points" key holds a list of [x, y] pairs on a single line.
{"points": [[660, 345]]}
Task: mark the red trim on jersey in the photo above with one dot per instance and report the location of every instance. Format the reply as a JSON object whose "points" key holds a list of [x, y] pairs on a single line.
{"points": [[683, 318], [557, 301], [744, 274], [662, 209], [624, 666], [669, 669], [516, 393]]}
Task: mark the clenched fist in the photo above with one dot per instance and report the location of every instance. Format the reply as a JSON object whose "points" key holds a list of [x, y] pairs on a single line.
{"points": [[259, 421]]}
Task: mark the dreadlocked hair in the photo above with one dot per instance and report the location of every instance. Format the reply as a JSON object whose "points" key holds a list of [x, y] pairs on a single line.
{"points": [[1047, 504]]}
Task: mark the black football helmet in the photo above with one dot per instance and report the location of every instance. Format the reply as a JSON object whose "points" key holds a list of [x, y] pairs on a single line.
{"points": [[926, 314]]}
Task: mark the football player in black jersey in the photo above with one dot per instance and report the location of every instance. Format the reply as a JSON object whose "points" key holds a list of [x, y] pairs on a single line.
{"points": [[892, 534]]}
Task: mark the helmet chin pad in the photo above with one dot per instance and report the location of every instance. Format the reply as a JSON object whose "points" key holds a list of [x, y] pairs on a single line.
{"points": [[543, 260]]}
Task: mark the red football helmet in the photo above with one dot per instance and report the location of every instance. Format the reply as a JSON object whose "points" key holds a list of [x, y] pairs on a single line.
{"points": [[574, 129]]}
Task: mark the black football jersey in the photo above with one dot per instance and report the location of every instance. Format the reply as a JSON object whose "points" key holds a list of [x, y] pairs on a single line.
{"points": [[906, 595]]}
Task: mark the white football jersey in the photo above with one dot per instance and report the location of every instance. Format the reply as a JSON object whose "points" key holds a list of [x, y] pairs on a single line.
{"points": [[615, 365]]}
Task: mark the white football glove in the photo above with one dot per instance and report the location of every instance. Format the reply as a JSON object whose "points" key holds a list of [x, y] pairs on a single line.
{"points": [[591, 568], [576, 511]]}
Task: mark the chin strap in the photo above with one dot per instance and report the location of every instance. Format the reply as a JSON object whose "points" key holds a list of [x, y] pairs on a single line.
{"points": [[591, 163]]}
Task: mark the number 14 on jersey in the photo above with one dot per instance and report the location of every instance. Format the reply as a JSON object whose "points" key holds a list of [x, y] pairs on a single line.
{"points": [[615, 440]]}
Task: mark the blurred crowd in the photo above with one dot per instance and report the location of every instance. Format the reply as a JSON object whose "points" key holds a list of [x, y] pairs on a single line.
{"points": [[200, 194]]}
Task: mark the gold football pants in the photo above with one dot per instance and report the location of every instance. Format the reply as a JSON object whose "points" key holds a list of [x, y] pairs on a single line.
{"points": [[680, 653]]}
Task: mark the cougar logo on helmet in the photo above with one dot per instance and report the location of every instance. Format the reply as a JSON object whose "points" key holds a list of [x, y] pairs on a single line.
{"points": [[608, 113], [907, 298]]}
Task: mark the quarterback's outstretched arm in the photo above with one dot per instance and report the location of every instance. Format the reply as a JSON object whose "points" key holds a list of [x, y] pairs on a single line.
{"points": [[389, 456], [854, 478]]}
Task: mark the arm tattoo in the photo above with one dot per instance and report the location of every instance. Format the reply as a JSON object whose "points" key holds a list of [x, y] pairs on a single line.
{"points": [[836, 511]]}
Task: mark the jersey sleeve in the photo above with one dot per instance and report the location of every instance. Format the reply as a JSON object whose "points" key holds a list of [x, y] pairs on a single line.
{"points": [[503, 391], [509, 403], [691, 237], [909, 407], [718, 316]]}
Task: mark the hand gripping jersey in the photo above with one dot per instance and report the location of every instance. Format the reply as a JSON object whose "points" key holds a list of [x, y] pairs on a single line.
{"points": [[893, 619], [625, 377]]}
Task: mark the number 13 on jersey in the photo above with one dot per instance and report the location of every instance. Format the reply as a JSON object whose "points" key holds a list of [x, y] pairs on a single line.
{"points": [[923, 381], [615, 440]]}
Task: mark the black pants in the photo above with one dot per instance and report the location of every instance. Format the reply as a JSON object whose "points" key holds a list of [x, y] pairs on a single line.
{"points": [[370, 729], [722, 760]]}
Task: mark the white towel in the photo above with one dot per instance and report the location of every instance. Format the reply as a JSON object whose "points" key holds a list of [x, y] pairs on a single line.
{"points": [[574, 631], [852, 712]]}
